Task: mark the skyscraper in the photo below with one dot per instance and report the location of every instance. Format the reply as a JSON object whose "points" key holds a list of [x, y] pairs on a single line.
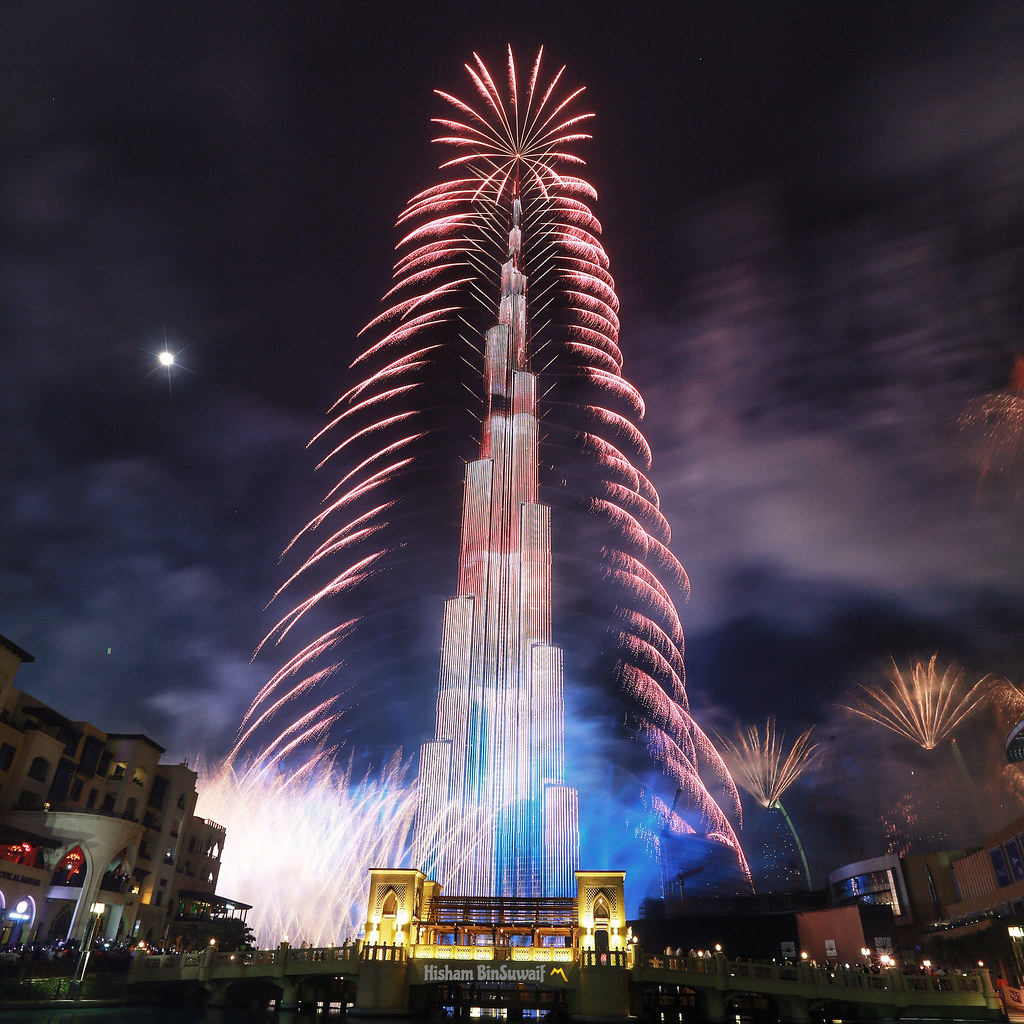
{"points": [[492, 781]]}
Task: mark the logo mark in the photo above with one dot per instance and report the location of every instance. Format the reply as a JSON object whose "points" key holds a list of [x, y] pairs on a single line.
{"points": [[558, 970]]}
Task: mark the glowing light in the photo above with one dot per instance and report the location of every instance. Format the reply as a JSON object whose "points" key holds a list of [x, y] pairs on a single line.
{"points": [[166, 358], [922, 704]]}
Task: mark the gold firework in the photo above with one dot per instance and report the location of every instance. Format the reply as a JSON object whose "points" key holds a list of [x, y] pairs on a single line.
{"points": [[924, 704], [761, 763]]}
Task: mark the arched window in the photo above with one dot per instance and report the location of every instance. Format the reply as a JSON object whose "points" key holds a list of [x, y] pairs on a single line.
{"points": [[602, 914], [71, 869], [390, 906], [39, 769], [60, 925]]}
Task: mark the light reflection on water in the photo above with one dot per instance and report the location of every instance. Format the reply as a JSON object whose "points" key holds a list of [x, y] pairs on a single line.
{"points": [[168, 1015]]}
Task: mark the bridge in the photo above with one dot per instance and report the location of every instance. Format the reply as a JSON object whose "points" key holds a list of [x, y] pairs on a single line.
{"points": [[585, 984], [425, 952]]}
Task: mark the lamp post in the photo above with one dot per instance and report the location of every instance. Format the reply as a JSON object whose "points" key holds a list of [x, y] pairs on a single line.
{"points": [[1016, 934], [96, 911]]}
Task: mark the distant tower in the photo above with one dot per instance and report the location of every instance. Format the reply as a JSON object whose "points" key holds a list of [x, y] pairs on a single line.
{"points": [[495, 816]]}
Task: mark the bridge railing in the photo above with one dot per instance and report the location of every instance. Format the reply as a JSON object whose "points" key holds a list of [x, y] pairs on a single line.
{"points": [[604, 958], [832, 977], [394, 954], [279, 957]]}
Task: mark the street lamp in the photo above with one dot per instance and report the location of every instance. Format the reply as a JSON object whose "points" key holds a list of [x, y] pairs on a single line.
{"points": [[1016, 934], [866, 953], [97, 912]]}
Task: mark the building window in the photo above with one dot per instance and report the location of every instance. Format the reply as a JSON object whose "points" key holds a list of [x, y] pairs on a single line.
{"points": [[39, 769], [108, 801], [999, 866], [117, 770], [91, 802], [76, 789], [91, 750], [139, 776], [159, 901], [6, 756], [158, 792], [27, 801]]}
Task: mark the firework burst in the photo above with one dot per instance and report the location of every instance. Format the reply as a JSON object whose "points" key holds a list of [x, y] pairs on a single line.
{"points": [[924, 704], [761, 763], [994, 426], [512, 144]]}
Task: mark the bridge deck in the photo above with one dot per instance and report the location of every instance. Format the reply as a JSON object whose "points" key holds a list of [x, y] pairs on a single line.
{"points": [[966, 996]]}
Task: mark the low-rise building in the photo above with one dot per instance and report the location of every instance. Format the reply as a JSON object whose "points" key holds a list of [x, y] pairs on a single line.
{"points": [[97, 836]]}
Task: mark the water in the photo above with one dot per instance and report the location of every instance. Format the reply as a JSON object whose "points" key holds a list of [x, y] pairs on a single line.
{"points": [[164, 1015]]}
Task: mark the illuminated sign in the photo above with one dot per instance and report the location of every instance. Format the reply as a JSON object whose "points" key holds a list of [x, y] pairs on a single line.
{"points": [[538, 974], [22, 911]]}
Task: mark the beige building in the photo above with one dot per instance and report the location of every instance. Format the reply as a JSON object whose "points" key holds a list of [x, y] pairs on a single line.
{"points": [[94, 831]]}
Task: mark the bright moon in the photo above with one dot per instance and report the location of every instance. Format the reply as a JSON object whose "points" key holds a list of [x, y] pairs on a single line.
{"points": [[166, 358]]}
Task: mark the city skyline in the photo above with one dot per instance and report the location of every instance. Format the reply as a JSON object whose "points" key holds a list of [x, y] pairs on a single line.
{"points": [[812, 219]]}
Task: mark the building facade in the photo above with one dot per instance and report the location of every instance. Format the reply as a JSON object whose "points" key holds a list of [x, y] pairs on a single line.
{"points": [[97, 836]]}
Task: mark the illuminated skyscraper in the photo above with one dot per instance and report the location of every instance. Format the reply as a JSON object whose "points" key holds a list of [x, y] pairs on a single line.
{"points": [[494, 813], [493, 778]]}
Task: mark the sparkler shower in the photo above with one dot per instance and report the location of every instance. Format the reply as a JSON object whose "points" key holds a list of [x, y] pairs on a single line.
{"points": [[513, 209]]}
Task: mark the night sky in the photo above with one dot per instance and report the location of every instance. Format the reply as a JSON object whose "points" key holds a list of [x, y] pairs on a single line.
{"points": [[815, 217]]}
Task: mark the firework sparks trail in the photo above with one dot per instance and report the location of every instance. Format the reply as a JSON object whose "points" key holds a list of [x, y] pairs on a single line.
{"points": [[765, 768], [515, 145], [924, 704]]}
